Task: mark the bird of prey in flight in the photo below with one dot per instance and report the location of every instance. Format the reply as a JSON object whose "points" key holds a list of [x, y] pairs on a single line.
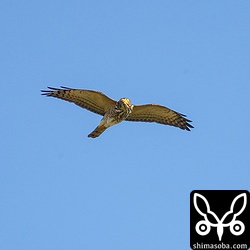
{"points": [[114, 112]]}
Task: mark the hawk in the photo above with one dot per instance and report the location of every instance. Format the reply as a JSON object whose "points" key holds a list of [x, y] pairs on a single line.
{"points": [[114, 112]]}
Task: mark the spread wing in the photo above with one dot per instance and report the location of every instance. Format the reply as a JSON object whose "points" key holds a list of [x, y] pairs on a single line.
{"points": [[159, 114], [94, 101]]}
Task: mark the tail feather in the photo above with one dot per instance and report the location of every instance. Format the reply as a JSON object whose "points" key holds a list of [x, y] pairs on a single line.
{"points": [[97, 131]]}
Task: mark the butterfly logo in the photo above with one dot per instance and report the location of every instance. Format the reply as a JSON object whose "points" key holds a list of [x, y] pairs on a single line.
{"points": [[203, 227]]}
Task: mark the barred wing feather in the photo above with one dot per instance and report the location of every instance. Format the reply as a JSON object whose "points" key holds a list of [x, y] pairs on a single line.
{"points": [[94, 101], [159, 114]]}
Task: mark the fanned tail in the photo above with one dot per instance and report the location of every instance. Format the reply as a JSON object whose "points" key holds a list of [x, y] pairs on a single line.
{"points": [[97, 131]]}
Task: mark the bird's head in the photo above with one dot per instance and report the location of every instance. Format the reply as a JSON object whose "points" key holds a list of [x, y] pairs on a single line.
{"points": [[125, 104]]}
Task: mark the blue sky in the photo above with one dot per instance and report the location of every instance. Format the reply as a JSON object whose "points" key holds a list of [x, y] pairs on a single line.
{"points": [[129, 188]]}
